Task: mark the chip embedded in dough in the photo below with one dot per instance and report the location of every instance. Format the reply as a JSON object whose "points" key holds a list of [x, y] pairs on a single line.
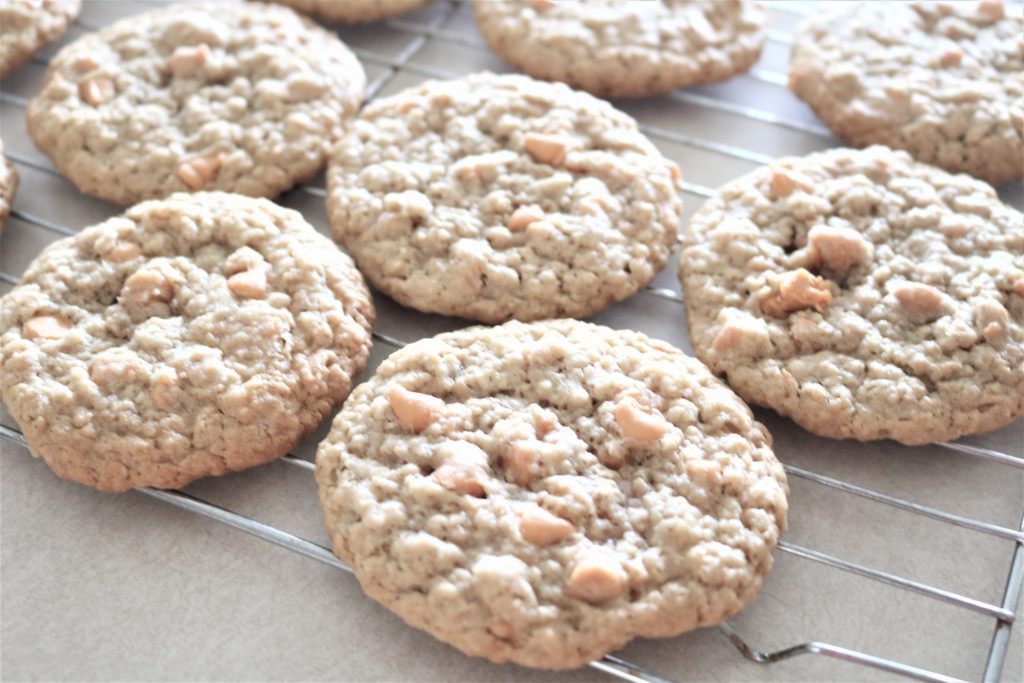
{"points": [[943, 81], [191, 336], [542, 493], [354, 11], [28, 25], [625, 48], [497, 197], [8, 185], [237, 97], [863, 294]]}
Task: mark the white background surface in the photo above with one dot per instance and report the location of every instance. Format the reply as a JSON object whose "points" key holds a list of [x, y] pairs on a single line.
{"points": [[97, 586]]}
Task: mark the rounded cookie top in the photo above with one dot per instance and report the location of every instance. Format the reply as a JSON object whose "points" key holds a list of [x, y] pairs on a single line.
{"points": [[8, 185], [943, 81], [195, 335], [354, 11], [863, 294], [623, 48], [241, 97], [542, 493], [26, 26], [496, 197]]}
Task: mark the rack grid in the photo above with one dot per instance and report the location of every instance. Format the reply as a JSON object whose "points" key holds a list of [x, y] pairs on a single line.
{"points": [[443, 32]]}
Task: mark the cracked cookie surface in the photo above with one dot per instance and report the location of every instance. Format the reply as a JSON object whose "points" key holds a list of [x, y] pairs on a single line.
{"points": [[191, 336], [943, 81], [496, 197], [239, 97], [8, 185], [25, 27], [354, 11], [863, 294], [542, 493], [623, 48]]}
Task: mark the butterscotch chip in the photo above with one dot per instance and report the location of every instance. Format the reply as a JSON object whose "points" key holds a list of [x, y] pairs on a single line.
{"points": [[199, 172], [786, 181], [147, 286], [96, 91], [523, 216], [123, 251], [521, 460], [186, 60], [414, 409], [637, 423], [163, 374], [45, 327], [540, 527], [838, 249], [249, 284], [797, 290], [28, 25], [922, 303], [597, 579], [943, 81], [500, 529], [511, 223], [501, 629], [460, 478], [546, 149], [624, 48], [881, 305], [255, 80]]}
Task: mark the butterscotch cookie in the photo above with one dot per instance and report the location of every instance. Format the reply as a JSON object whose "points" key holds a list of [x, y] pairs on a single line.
{"points": [[496, 197], [28, 25], [355, 11], [543, 493], [624, 48], [8, 185], [191, 336], [243, 97], [943, 81], [863, 294]]}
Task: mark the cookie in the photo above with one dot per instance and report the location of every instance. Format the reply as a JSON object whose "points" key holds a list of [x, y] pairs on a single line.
{"points": [[8, 185], [623, 48], [191, 336], [496, 197], [942, 81], [863, 294], [354, 11], [240, 97], [542, 493], [28, 25]]}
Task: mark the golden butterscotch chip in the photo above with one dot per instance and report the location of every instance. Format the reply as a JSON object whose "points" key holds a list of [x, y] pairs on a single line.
{"points": [[796, 291], [540, 527], [597, 579], [45, 327], [198, 172], [922, 303], [414, 409], [97, 90], [582, 486]]}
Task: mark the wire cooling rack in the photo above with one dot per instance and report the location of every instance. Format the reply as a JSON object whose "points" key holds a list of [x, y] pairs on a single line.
{"points": [[859, 500]]}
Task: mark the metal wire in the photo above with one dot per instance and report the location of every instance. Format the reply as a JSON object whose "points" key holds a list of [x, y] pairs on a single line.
{"points": [[1004, 613]]}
